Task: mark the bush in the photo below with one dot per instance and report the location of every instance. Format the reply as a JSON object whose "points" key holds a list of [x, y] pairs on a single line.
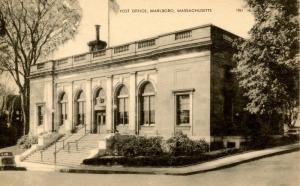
{"points": [[157, 161], [216, 145], [181, 145], [26, 141], [129, 145], [262, 142]]}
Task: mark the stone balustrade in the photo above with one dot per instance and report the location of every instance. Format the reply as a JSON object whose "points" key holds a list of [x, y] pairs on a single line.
{"points": [[120, 49], [80, 57], [174, 39], [147, 43], [183, 35]]}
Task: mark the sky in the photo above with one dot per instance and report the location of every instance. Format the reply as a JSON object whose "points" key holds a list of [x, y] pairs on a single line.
{"points": [[231, 15]]}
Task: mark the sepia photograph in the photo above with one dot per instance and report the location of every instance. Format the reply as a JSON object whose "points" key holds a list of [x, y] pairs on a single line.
{"points": [[149, 92]]}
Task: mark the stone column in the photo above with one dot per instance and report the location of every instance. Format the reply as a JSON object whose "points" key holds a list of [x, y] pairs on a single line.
{"points": [[88, 99], [132, 103], [109, 108]]}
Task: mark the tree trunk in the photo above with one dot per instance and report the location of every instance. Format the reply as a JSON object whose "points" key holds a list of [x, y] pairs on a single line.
{"points": [[25, 103]]}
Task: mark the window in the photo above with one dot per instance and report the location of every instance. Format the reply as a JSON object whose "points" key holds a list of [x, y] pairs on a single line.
{"points": [[122, 106], [40, 114], [183, 109], [80, 108], [63, 108], [147, 101]]}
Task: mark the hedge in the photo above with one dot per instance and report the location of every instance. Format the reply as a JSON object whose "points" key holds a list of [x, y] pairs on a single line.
{"points": [[156, 161], [181, 145], [131, 145], [26, 141]]}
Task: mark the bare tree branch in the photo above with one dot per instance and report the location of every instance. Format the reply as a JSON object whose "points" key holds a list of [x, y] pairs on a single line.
{"points": [[33, 30]]}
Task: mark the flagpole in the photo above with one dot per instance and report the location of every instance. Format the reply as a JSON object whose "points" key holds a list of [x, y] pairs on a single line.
{"points": [[108, 23]]}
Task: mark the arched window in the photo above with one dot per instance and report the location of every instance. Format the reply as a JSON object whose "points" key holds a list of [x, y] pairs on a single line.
{"points": [[147, 104], [80, 101], [100, 97], [63, 108], [122, 106]]}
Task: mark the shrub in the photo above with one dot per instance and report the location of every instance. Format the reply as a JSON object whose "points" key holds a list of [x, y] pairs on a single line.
{"points": [[130, 145], [261, 142], [181, 145], [216, 145], [26, 141], [157, 161]]}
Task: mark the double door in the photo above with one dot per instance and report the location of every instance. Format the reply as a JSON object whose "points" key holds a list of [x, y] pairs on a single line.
{"points": [[100, 120]]}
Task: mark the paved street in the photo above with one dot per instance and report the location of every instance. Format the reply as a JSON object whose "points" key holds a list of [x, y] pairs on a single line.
{"points": [[282, 170]]}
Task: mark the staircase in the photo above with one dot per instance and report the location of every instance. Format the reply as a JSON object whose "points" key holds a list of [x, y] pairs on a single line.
{"points": [[68, 152]]}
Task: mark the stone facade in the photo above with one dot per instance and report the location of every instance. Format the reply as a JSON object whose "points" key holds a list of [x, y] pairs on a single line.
{"points": [[157, 86]]}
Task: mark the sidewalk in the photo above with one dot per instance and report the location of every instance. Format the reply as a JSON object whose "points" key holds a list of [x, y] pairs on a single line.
{"points": [[41, 167], [187, 170]]}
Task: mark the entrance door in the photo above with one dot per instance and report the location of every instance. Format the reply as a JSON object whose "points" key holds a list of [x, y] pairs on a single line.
{"points": [[100, 121]]}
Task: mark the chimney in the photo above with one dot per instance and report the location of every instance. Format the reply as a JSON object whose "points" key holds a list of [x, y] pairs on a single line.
{"points": [[97, 44], [97, 32]]}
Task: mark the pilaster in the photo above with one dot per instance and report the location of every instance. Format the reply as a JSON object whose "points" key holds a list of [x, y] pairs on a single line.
{"points": [[88, 98], [132, 103], [109, 109], [69, 91], [48, 110]]}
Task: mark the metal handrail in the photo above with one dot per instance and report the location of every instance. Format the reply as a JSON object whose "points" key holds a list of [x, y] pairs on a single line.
{"points": [[41, 152], [56, 151], [63, 142], [45, 147], [76, 141]]}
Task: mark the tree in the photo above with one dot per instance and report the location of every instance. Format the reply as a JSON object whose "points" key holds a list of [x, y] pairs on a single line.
{"points": [[5, 91], [33, 29], [267, 68], [2, 26]]}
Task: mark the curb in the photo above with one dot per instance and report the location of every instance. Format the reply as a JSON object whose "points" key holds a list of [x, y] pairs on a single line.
{"points": [[183, 171], [236, 163], [30, 166]]}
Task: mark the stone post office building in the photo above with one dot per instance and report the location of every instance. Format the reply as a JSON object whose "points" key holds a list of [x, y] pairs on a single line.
{"points": [[156, 86]]}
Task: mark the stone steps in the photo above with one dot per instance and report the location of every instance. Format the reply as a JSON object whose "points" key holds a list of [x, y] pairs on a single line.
{"points": [[65, 157]]}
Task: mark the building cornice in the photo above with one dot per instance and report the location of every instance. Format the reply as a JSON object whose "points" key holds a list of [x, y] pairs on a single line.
{"points": [[92, 65], [154, 47]]}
